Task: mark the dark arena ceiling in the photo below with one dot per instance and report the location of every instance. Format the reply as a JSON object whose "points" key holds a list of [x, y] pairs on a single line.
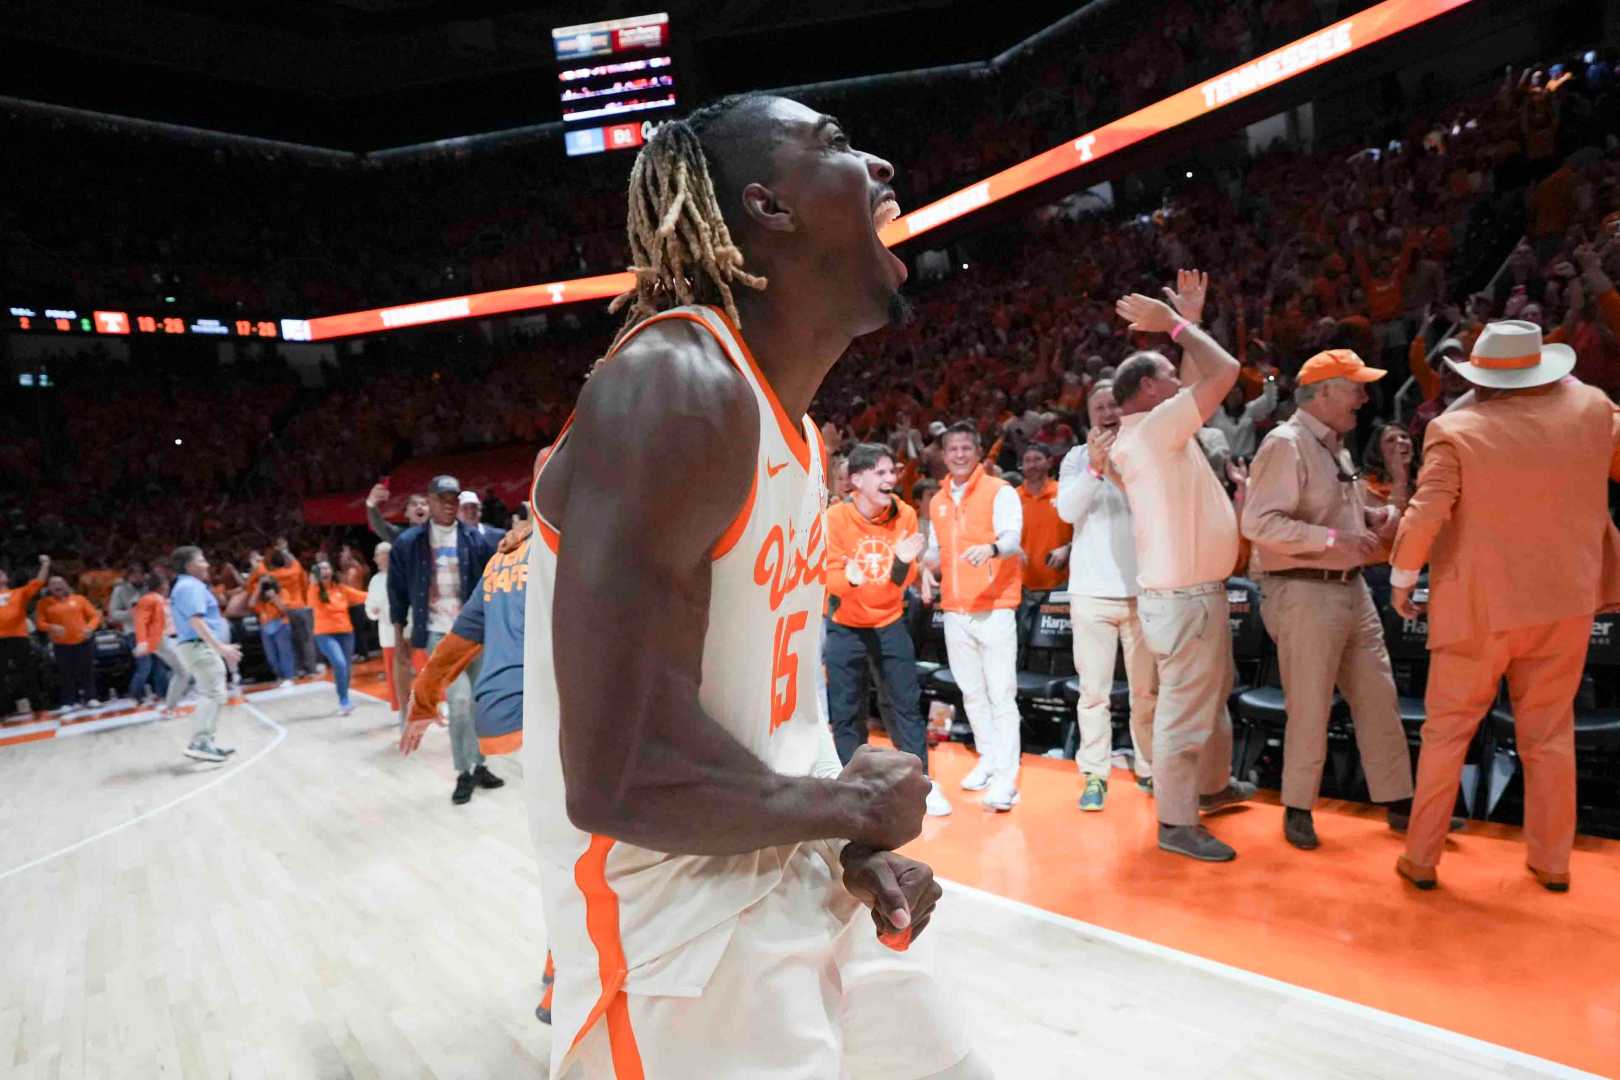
{"points": [[370, 74]]}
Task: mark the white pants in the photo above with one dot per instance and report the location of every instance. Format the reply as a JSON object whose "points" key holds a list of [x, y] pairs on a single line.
{"points": [[1101, 627], [982, 648]]}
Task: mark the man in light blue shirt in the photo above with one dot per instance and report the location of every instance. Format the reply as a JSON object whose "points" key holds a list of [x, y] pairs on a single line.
{"points": [[204, 648]]}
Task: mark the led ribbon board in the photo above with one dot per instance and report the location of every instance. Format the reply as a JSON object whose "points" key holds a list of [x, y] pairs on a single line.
{"points": [[1273, 69]]}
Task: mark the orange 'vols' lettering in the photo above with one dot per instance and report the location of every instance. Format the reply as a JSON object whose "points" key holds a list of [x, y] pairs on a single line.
{"points": [[785, 665], [808, 564]]}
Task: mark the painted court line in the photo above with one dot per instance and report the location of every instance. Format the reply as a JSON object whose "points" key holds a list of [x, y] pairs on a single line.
{"points": [[1506, 1055], [256, 713]]}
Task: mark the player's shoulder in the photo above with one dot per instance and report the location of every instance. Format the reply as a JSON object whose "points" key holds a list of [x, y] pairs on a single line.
{"points": [[677, 354]]}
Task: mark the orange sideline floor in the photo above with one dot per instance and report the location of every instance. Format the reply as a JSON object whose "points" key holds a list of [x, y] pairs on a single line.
{"points": [[1489, 954]]}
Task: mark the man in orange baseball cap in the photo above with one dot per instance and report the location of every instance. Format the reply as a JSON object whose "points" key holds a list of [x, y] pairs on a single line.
{"points": [[1312, 535]]}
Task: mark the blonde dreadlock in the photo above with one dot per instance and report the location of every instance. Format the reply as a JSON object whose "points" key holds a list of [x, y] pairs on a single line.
{"points": [[680, 249]]}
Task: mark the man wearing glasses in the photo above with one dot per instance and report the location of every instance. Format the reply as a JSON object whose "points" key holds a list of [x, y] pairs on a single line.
{"points": [[1312, 535]]}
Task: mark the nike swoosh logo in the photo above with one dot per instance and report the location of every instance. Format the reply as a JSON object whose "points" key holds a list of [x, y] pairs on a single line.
{"points": [[772, 470]]}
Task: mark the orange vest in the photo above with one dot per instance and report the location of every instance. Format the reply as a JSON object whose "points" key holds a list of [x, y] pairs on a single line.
{"points": [[1044, 532], [997, 583]]}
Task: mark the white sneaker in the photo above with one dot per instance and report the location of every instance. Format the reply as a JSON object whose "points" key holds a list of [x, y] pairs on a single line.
{"points": [[1001, 797], [938, 805], [285, 684], [978, 779], [204, 750], [93, 703]]}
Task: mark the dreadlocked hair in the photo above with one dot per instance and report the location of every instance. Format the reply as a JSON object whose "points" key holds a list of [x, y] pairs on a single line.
{"points": [[681, 251]]}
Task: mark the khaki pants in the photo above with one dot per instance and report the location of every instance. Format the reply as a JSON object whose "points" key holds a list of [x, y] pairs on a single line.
{"points": [[1188, 632], [207, 669], [1329, 634], [1543, 666], [1103, 625]]}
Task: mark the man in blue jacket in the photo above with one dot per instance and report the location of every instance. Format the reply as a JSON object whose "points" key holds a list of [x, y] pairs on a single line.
{"points": [[433, 568]]}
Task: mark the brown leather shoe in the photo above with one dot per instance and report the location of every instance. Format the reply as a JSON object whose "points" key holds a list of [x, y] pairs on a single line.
{"points": [[1421, 876], [1550, 882]]}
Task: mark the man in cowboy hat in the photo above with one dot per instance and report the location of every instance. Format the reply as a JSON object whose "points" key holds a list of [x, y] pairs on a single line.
{"points": [[1511, 514]]}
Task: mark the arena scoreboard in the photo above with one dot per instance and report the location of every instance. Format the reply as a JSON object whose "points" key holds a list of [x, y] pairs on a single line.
{"points": [[27, 318], [614, 80]]}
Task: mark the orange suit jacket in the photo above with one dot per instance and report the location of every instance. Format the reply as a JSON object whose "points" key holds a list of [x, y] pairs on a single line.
{"points": [[1511, 513]]}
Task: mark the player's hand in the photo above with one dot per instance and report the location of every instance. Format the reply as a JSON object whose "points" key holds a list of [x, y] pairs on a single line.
{"points": [[901, 892], [1401, 600], [1058, 558], [908, 549], [979, 554], [378, 495], [56, 632], [1146, 313], [44, 560], [853, 574], [1188, 295], [231, 654], [891, 788], [515, 536], [143, 649]]}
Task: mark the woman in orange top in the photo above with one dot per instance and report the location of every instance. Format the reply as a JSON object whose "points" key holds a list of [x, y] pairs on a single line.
{"points": [[150, 623], [70, 620], [334, 632]]}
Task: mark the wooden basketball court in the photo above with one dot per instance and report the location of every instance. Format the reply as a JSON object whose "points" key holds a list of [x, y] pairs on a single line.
{"points": [[316, 907]]}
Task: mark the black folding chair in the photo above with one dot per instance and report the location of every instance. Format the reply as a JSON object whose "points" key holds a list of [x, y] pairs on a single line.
{"points": [[1048, 653]]}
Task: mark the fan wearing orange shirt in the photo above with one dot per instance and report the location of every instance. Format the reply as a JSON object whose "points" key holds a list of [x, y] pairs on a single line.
{"points": [[1047, 537], [294, 582], [872, 549], [71, 620], [150, 620], [17, 679], [334, 631]]}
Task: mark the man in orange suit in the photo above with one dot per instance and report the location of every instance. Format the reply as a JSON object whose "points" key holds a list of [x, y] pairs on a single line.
{"points": [[1511, 514]]}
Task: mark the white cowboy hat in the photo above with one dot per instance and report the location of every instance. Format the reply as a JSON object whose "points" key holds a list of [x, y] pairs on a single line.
{"points": [[1509, 355]]}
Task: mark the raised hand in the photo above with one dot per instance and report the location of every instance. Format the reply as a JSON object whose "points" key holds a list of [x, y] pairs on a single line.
{"points": [[1146, 313], [908, 549], [1188, 296], [1099, 441], [378, 495]]}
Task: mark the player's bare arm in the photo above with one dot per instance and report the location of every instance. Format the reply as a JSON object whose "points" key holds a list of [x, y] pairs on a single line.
{"points": [[659, 464]]}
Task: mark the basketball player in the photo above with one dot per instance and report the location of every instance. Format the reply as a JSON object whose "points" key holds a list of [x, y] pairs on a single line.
{"points": [[703, 859]]}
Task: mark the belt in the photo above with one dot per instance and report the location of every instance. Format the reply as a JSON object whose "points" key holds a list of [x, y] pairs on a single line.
{"points": [[1188, 590], [1338, 577]]}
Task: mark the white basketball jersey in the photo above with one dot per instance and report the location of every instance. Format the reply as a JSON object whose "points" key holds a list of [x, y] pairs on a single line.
{"points": [[613, 909]]}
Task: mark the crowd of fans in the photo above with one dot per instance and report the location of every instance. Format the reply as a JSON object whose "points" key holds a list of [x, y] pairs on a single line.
{"points": [[1497, 204], [272, 231]]}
